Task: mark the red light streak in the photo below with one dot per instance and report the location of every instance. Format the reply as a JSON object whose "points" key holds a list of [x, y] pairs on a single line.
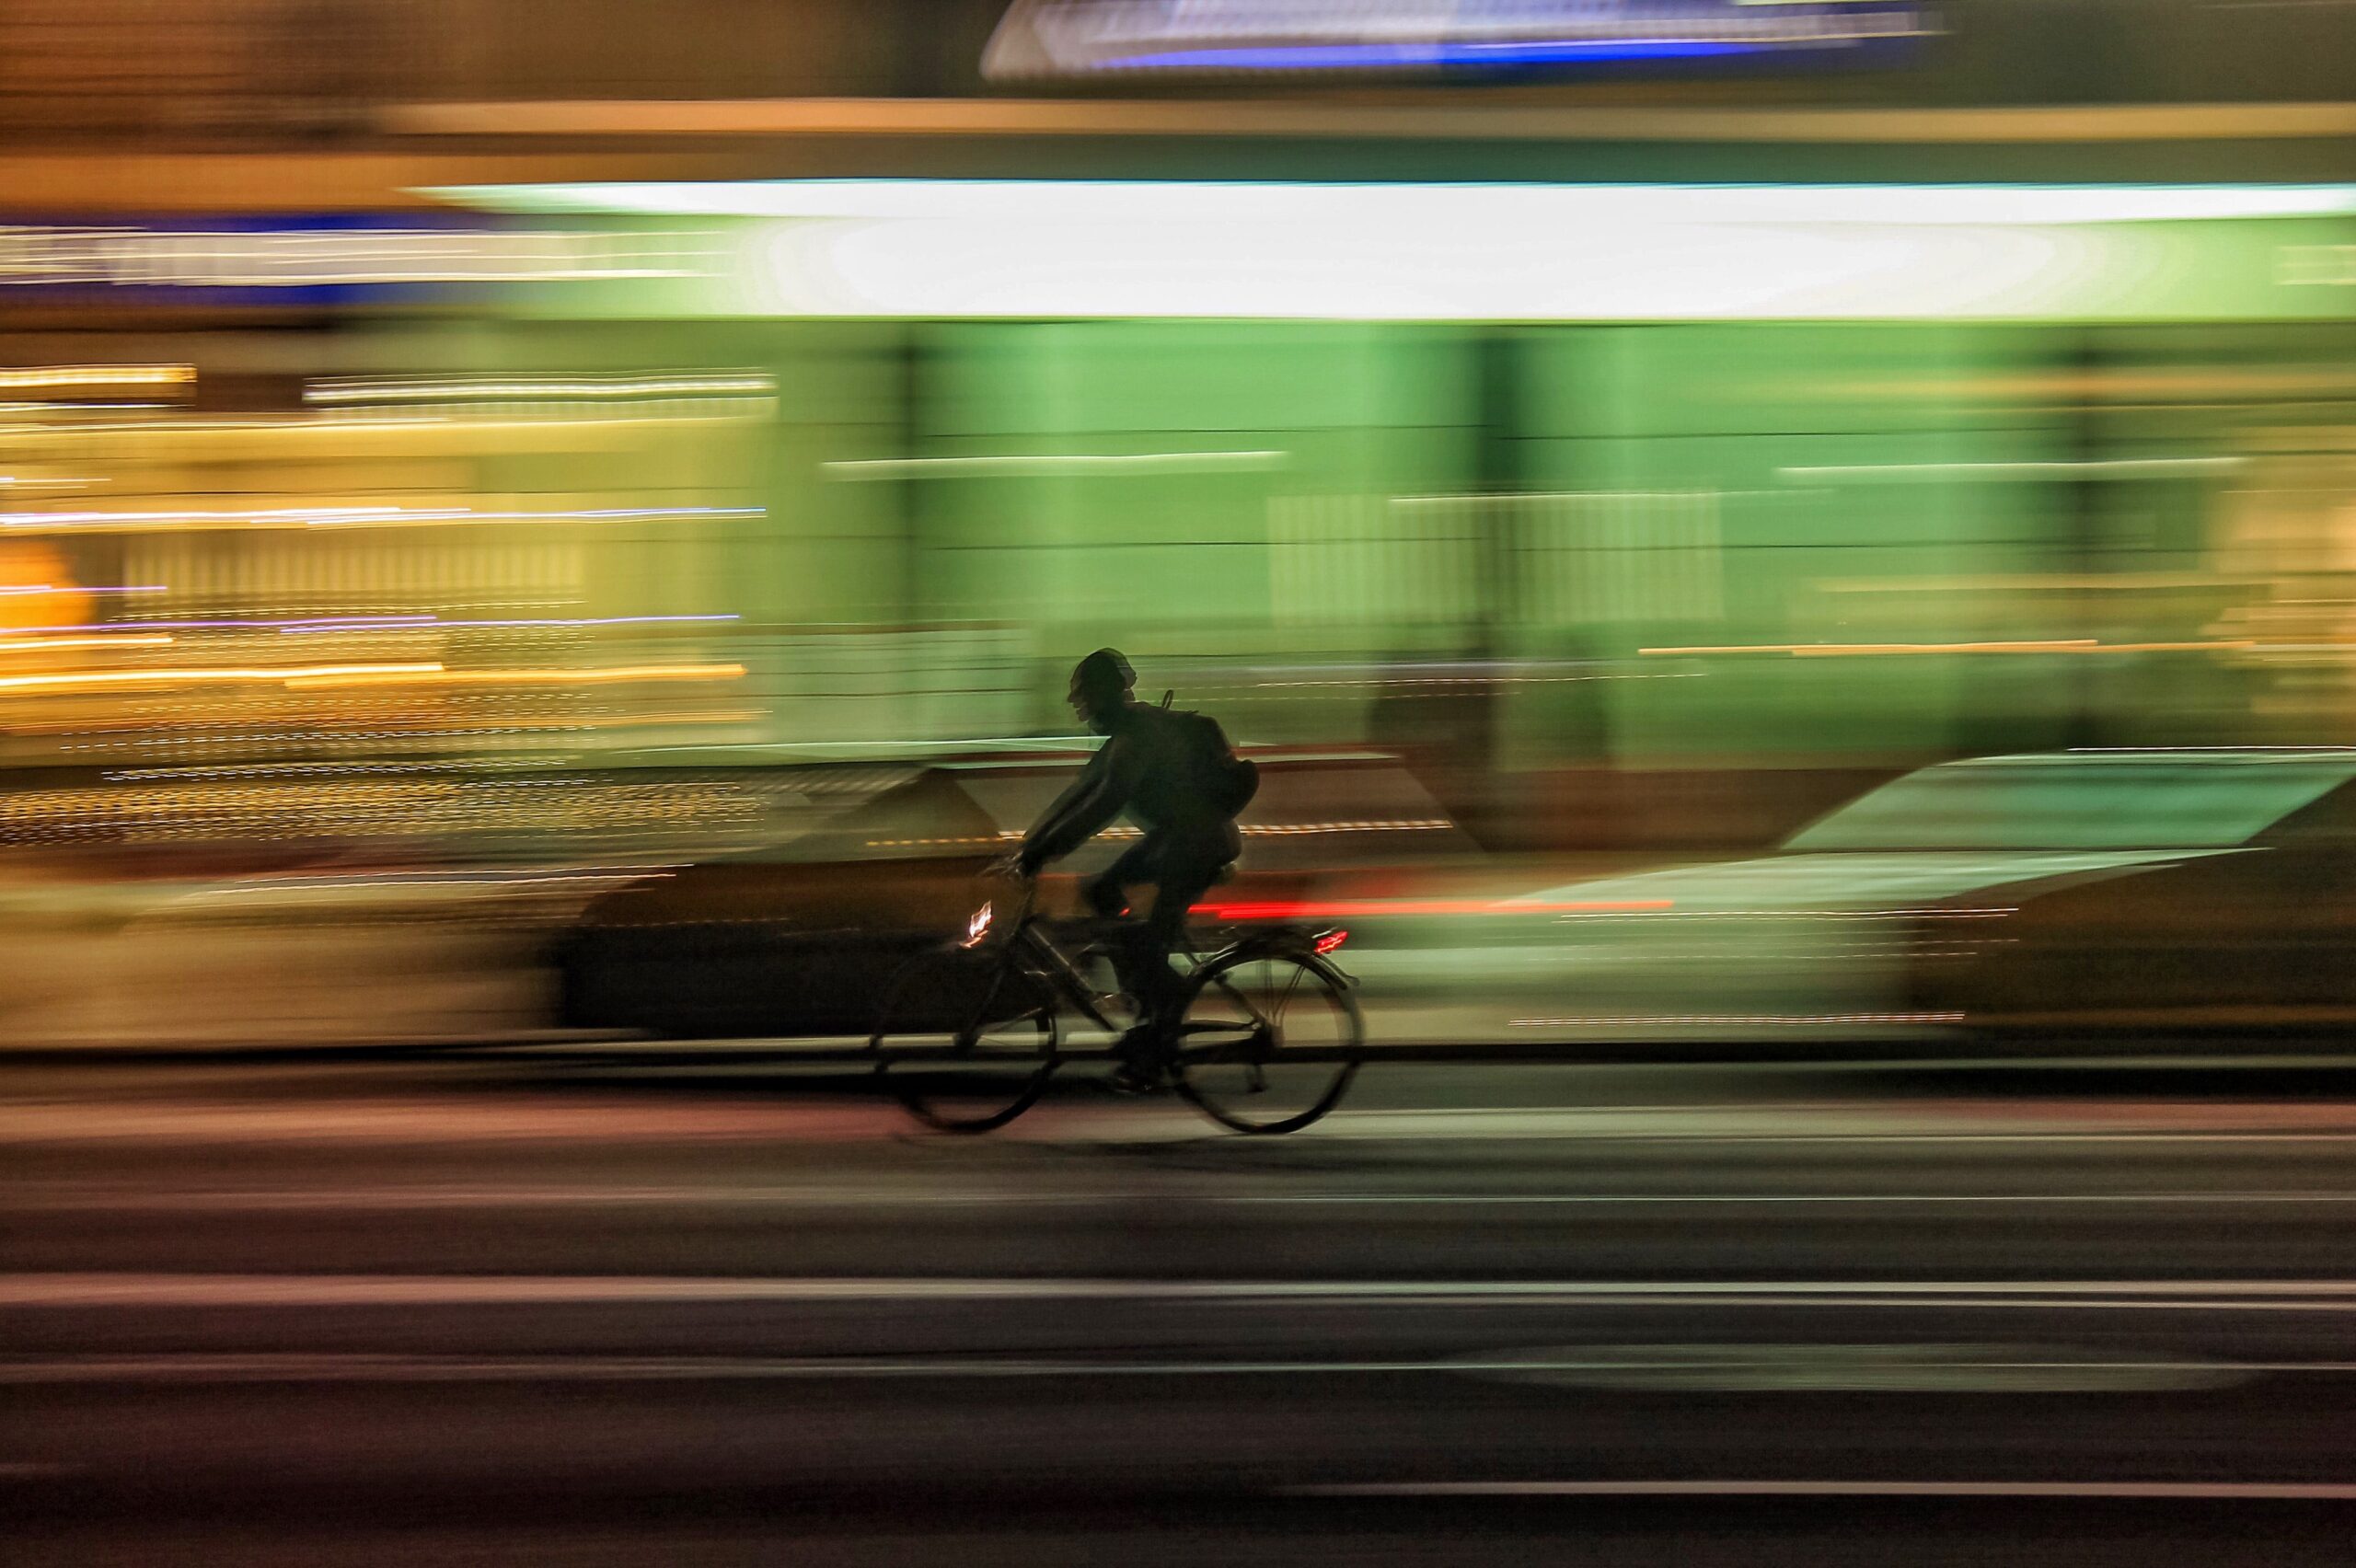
{"points": [[1343, 909]]}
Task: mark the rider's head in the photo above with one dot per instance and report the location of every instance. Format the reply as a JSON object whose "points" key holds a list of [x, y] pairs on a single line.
{"points": [[1100, 688]]}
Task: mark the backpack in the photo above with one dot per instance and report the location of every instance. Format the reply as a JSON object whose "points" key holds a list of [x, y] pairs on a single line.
{"points": [[1228, 782]]}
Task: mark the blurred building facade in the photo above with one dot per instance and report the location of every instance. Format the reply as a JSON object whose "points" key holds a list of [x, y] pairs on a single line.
{"points": [[310, 72], [330, 496]]}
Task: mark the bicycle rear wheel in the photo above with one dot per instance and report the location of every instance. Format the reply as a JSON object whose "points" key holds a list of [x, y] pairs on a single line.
{"points": [[1269, 1043], [966, 1039]]}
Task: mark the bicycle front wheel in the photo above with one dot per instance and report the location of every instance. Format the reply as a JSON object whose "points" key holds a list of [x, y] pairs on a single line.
{"points": [[1269, 1043], [966, 1039]]}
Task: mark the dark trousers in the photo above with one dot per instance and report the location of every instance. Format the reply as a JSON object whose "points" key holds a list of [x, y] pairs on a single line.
{"points": [[1179, 871]]}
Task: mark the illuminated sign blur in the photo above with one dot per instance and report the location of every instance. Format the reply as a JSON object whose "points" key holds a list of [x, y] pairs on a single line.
{"points": [[1086, 37], [1053, 249], [316, 260]]}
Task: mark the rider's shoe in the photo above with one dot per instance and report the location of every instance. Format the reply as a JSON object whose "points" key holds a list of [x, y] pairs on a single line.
{"points": [[1141, 1070], [1132, 1077]]}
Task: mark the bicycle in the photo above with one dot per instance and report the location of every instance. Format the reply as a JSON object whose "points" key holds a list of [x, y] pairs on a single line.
{"points": [[1268, 1041]]}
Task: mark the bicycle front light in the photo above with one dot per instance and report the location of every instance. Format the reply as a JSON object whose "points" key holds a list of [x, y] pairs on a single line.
{"points": [[977, 928]]}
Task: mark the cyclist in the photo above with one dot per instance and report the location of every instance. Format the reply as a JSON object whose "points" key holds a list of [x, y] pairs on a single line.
{"points": [[1174, 774]]}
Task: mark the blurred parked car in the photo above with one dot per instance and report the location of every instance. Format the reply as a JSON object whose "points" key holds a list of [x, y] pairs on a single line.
{"points": [[801, 939], [2087, 892]]}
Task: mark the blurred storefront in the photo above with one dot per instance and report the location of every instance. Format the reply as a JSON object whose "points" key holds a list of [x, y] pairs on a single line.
{"points": [[286, 556], [649, 480], [1836, 476], [395, 428]]}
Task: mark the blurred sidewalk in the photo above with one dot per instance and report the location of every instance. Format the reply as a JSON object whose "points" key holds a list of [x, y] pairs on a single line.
{"points": [[398, 957]]}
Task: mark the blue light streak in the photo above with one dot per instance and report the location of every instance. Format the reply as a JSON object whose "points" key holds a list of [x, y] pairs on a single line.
{"points": [[1378, 56]]}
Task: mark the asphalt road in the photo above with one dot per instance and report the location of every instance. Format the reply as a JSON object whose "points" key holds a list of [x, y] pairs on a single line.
{"points": [[595, 1305]]}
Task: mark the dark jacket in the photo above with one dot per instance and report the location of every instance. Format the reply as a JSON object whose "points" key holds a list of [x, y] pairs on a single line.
{"points": [[1154, 766]]}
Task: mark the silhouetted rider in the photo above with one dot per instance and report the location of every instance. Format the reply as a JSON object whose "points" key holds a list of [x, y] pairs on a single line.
{"points": [[1175, 775]]}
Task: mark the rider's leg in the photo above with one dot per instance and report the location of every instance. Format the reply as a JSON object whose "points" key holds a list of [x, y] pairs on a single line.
{"points": [[1108, 891], [1184, 878], [1141, 954], [1129, 946], [1180, 872]]}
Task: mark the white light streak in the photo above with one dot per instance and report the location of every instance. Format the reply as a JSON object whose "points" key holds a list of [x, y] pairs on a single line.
{"points": [[452, 389], [1019, 465], [1411, 205], [986, 250], [2107, 469]]}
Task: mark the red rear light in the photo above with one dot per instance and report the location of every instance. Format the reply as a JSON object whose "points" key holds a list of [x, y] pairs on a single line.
{"points": [[1327, 941]]}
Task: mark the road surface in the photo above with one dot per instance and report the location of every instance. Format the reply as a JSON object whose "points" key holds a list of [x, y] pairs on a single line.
{"points": [[610, 1305]]}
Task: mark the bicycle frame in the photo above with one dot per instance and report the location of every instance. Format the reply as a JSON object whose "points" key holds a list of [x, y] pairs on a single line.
{"points": [[1046, 961], [1028, 944]]}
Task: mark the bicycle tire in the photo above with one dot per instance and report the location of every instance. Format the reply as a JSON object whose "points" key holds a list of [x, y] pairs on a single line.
{"points": [[954, 1050], [1252, 1056]]}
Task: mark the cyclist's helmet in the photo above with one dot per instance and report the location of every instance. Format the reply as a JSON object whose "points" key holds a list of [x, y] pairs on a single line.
{"points": [[1104, 676]]}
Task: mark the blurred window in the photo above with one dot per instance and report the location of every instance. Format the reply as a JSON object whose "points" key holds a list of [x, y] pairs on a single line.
{"points": [[2085, 801]]}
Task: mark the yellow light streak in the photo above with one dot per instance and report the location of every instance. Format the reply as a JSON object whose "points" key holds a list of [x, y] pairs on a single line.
{"points": [[1791, 1020], [435, 674], [97, 375], [1272, 830], [356, 516], [1855, 649], [43, 644], [288, 674]]}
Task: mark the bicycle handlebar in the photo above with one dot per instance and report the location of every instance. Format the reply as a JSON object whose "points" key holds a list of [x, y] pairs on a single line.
{"points": [[989, 919]]}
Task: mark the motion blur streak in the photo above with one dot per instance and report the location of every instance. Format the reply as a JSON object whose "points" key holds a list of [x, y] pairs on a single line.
{"points": [[61, 376], [326, 678], [1336, 909], [47, 644], [292, 677]]}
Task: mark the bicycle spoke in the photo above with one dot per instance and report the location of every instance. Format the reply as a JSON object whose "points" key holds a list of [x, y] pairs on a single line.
{"points": [[1269, 1043], [957, 1043]]}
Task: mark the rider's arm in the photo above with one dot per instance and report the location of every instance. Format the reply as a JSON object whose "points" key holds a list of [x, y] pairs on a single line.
{"points": [[1094, 799]]}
